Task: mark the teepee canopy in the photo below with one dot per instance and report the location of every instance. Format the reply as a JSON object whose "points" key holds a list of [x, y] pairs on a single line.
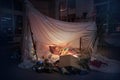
{"points": [[47, 31], [41, 32]]}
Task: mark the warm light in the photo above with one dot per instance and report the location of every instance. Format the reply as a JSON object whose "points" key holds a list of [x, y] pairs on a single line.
{"points": [[52, 45], [70, 53], [75, 56]]}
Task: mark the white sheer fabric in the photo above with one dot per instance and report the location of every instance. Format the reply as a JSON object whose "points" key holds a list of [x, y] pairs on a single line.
{"points": [[47, 31]]}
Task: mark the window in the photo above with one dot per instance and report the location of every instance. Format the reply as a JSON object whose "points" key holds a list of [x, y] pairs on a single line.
{"points": [[6, 24]]}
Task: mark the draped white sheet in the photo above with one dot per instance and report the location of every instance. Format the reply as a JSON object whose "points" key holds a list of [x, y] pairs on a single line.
{"points": [[47, 31]]}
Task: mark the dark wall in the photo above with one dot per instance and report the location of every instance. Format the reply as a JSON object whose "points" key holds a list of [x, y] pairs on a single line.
{"points": [[47, 7], [108, 13]]}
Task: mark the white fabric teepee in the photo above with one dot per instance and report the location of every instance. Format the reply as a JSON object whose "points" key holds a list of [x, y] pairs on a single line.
{"points": [[47, 31], [43, 32]]}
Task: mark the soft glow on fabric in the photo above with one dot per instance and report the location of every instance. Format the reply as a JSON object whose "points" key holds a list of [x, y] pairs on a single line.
{"points": [[47, 31]]}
